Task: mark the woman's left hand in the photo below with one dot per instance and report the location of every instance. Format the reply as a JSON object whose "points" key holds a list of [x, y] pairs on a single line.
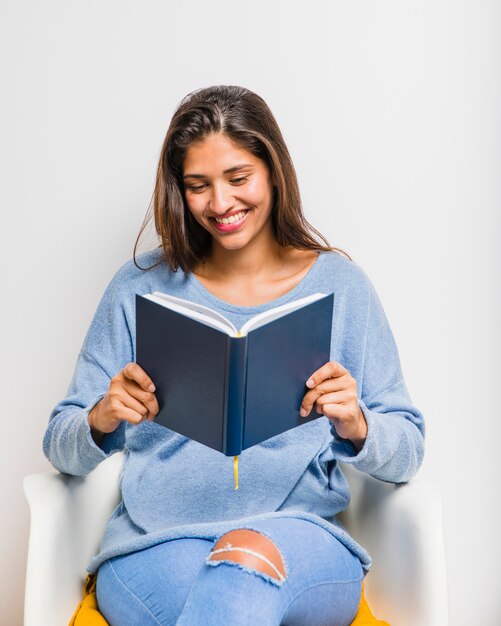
{"points": [[333, 391]]}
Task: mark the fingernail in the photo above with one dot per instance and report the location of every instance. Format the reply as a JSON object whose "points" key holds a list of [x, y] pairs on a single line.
{"points": [[303, 412], [151, 388], [310, 382]]}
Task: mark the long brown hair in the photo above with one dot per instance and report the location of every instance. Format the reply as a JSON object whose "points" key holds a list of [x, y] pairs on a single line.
{"points": [[245, 118]]}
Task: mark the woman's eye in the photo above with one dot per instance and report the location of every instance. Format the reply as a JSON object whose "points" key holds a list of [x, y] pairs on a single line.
{"points": [[197, 188]]}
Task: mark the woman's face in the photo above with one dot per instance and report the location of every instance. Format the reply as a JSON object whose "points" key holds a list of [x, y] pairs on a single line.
{"points": [[222, 180]]}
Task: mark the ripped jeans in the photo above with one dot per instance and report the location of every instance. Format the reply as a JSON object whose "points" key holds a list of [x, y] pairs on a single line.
{"points": [[176, 583]]}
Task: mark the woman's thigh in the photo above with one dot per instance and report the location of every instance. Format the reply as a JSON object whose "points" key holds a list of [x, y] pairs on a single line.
{"points": [[150, 586], [322, 585]]}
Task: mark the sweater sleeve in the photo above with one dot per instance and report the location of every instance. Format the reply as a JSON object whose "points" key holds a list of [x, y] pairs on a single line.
{"points": [[394, 448], [107, 348]]}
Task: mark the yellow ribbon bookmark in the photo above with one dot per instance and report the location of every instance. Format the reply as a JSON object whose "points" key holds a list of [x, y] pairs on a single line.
{"points": [[235, 458], [235, 470]]}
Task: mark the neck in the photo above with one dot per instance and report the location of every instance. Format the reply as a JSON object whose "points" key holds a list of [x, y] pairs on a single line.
{"points": [[249, 262]]}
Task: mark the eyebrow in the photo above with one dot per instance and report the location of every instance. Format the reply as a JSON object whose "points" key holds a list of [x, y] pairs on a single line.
{"points": [[230, 170]]}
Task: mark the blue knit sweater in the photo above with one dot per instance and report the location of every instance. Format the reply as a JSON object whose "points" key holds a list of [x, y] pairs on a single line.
{"points": [[174, 487]]}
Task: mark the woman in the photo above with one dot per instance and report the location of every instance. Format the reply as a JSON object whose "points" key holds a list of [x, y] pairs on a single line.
{"points": [[184, 546]]}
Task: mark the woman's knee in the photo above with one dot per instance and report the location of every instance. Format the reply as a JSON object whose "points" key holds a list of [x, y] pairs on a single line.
{"points": [[250, 549]]}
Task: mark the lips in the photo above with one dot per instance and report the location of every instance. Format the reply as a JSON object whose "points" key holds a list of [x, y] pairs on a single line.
{"points": [[229, 227], [229, 215]]}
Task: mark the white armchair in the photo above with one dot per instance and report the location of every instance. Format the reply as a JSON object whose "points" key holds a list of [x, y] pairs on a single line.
{"points": [[400, 525]]}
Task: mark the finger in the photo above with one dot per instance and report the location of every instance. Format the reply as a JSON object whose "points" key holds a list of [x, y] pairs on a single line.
{"points": [[151, 404], [331, 369], [129, 415], [130, 402], [308, 401], [135, 372], [338, 397], [329, 385], [153, 407], [135, 390], [341, 413], [322, 389], [145, 397]]}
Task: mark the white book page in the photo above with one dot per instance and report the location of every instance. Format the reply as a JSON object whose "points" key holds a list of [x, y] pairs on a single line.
{"points": [[216, 320], [195, 311], [268, 316]]}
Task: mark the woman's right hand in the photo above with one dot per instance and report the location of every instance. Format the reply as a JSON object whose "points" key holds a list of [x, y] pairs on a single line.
{"points": [[130, 397]]}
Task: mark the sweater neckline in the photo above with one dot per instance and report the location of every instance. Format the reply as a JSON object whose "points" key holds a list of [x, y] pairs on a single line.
{"points": [[250, 310]]}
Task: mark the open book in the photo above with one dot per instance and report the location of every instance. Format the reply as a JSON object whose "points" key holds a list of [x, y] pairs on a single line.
{"points": [[230, 388]]}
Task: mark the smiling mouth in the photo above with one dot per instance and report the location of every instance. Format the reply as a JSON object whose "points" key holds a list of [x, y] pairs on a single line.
{"points": [[233, 219]]}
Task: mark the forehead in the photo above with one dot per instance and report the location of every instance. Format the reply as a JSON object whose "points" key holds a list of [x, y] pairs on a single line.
{"points": [[214, 154]]}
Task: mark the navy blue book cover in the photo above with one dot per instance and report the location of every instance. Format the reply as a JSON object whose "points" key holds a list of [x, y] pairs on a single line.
{"points": [[231, 393]]}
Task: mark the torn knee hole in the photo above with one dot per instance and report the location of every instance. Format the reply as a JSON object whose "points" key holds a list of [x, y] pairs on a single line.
{"points": [[250, 549]]}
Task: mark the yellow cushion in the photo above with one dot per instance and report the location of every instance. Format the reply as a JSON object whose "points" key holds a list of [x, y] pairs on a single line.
{"points": [[87, 613]]}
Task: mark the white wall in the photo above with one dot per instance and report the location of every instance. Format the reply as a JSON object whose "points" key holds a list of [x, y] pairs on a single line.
{"points": [[391, 112]]}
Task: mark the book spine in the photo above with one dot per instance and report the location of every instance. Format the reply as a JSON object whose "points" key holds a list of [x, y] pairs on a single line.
{"points": [[235, 394]]}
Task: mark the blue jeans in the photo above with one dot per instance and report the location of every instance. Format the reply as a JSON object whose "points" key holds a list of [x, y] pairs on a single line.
{"points": [[171, 583]]}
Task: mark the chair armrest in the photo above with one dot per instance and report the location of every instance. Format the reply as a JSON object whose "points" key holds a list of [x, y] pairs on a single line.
{"points": [[400, 525], [68, 515]]}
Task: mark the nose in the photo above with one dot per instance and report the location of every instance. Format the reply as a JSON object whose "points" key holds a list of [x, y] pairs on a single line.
{"points": [[221, 199]]}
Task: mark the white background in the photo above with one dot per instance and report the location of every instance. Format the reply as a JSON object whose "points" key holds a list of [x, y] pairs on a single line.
{"points": [[391, 111]]}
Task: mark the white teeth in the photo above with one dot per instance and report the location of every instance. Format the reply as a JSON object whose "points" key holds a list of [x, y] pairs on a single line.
{"points": [[232, 219]]}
